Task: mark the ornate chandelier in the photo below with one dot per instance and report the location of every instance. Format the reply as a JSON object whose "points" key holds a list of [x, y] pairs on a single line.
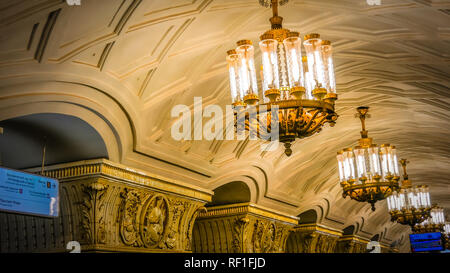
{"points": [[410, 205], [433, 224], [368, 173], [298, 94]]}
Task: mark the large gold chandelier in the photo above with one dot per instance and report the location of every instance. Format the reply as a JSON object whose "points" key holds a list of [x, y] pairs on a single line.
{"points": [[368, 172], [298, 94], [410, 205]]}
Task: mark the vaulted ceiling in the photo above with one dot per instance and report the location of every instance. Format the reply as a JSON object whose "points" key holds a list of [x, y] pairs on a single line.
{"points": [[122, 65]]}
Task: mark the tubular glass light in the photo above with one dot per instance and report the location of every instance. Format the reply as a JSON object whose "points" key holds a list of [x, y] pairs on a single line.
{"points": [[312, 43], [247, 70], [233, 60], [268, 48], [309, 81], [328, 65], [293, 50]]}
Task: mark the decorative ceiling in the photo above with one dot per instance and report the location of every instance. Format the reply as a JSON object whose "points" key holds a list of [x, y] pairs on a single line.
{"points": [[121, 65]]}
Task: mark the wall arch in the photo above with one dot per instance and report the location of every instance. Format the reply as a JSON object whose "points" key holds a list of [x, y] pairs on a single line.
{"points": [[308, 217], [231, 193], [65, 138], [99, 111], [349, 230], [107, 133]]}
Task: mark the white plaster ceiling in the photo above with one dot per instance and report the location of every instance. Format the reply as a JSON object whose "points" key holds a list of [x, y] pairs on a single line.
{"points": [[130, 61]]}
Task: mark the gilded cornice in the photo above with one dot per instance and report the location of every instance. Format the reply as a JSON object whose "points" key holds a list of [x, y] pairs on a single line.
{"points": [[102, 167], [318, 228], [248, 208], [354, 238]]}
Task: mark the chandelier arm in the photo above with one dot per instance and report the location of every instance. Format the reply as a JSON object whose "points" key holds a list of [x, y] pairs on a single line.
{"points": [[296, 118], [318, 124], [311, 121]]}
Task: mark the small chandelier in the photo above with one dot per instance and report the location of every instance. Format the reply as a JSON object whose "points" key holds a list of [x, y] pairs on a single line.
{"points": [[433, 224], [410, 205], [302, 91], [368, 172]]}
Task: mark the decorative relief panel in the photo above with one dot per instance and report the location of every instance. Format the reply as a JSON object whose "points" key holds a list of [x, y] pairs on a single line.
{"points": [[128, 216], [352, 244], [312, 239], [153, 221], [240, 228], [92, 213]]}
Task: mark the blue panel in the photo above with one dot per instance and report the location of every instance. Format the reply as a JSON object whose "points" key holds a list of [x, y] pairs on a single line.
{"points": [[28, 193], [426, 242]]}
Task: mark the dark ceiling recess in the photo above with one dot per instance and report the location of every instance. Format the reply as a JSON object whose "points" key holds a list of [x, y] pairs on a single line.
{"points": [[67, 138], [308, 217], [376, 237], [231, 193], [349, 230]]}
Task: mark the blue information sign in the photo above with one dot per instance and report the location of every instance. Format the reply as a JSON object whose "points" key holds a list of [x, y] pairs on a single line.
{"points": [[27, 193], [426, 242]]}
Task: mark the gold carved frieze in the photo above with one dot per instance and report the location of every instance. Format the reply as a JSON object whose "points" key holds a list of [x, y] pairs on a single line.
{"points": [[152, 220], [352, 244], [313, 238], [252, 230], [92, 212]]}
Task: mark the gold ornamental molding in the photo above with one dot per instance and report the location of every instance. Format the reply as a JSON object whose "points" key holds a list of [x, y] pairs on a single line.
{"points": [[247, 208], [354, 238], [386, 247], [319, 228], [241, 228], [313, 238], [363, 241], [103, 167]]}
